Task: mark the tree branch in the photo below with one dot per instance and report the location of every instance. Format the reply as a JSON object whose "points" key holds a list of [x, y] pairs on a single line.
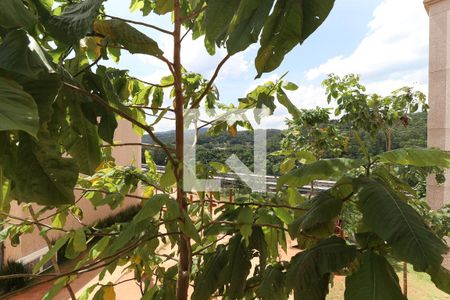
{"points": [[136, 144], [89, 66], [194, 15], [211, 81], [49, 245], [141, 23], [151, 84], [255, 204], [123, 115], [150, 107]]}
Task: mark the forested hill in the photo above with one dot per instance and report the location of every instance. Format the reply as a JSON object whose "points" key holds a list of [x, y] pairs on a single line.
{"points": [[219, 148]]}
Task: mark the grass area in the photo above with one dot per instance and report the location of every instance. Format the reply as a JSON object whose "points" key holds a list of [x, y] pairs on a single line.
{"points": [[420, 287]]}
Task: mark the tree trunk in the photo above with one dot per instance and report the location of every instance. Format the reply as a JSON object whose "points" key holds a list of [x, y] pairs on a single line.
{"points": [[405, 279], [184, 245], [54, 259]]}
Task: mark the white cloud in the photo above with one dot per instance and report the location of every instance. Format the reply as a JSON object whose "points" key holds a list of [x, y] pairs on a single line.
{"points": [[394, 52], [308, 97]]}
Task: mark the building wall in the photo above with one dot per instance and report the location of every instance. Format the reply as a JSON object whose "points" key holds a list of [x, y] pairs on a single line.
{"points": [[439, 92], [439, 97], [124, 156]]}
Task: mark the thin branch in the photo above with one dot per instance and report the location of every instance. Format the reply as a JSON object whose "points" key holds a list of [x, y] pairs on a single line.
{"points": [[194, 15], [222, 118], [125, 116], [152, 84], [141, 23], [119, 282], [60, 210], [81, 270], [197, 252], [256, 204], [160, 57], [168, 257], [185, 34], [53, 258], [241, 223], [89, 66], [31, 222], [136, 144], [211, 81], [150, 107], [153, 116], [112, 193]]}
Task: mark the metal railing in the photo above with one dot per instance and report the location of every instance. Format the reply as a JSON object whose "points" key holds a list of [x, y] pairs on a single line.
{"points": [[232, 179]]}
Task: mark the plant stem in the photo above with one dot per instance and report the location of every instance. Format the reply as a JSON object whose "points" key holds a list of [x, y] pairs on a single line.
{"points": [[405, 279], [184, 244], [141, 23], [49, 245]]}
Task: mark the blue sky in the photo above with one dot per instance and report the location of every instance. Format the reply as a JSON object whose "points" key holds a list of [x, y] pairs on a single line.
{"points": [[385, 41]]}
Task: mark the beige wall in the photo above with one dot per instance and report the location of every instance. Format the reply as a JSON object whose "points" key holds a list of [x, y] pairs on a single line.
{"points": [[439, 92], [124, 156], [439, 96]]}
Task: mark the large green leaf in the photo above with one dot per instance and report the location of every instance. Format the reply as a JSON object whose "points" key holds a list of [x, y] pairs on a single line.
{"points": [[321, 169], [418, 157], [235, 272], [101, 83], [188, 228], [258, 242], [162, 7], [374, 280], [20, 53], [74, 23], [18, 111], [273, 284], [43, 176], [5, 185], [290, 23], [130, 38], [51, 252], [309, 270], [153, 206], [44, 92], [14, 14], [218, 16], [323, 208], [286, 102], [82, 140], [399, 225], [246, 25], [441, 278], [314, 14], [207, 280]]}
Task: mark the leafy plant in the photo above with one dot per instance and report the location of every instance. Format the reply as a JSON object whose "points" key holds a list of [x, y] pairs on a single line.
{"points": [[53, 56], [13, 268]]}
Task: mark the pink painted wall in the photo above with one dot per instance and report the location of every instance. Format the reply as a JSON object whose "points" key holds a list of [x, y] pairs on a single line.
{"points": [[124, 156]]}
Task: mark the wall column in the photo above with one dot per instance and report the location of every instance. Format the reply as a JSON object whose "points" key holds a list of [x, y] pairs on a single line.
{"points": [[439, 93]]}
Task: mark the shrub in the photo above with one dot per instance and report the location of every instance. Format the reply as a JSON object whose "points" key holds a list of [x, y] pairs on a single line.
{"points": [[124, 216], [121, 217], [11, 268]]}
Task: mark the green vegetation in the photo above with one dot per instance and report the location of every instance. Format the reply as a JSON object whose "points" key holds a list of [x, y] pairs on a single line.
{"points": [[60, 106], [11, 284], [219, 148]]}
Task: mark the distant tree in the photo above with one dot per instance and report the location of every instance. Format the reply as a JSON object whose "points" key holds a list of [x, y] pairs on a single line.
{"points": [[372, 113]]}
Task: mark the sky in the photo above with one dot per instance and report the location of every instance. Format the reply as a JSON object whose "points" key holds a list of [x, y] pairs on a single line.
{"points": [[384, 41]]}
